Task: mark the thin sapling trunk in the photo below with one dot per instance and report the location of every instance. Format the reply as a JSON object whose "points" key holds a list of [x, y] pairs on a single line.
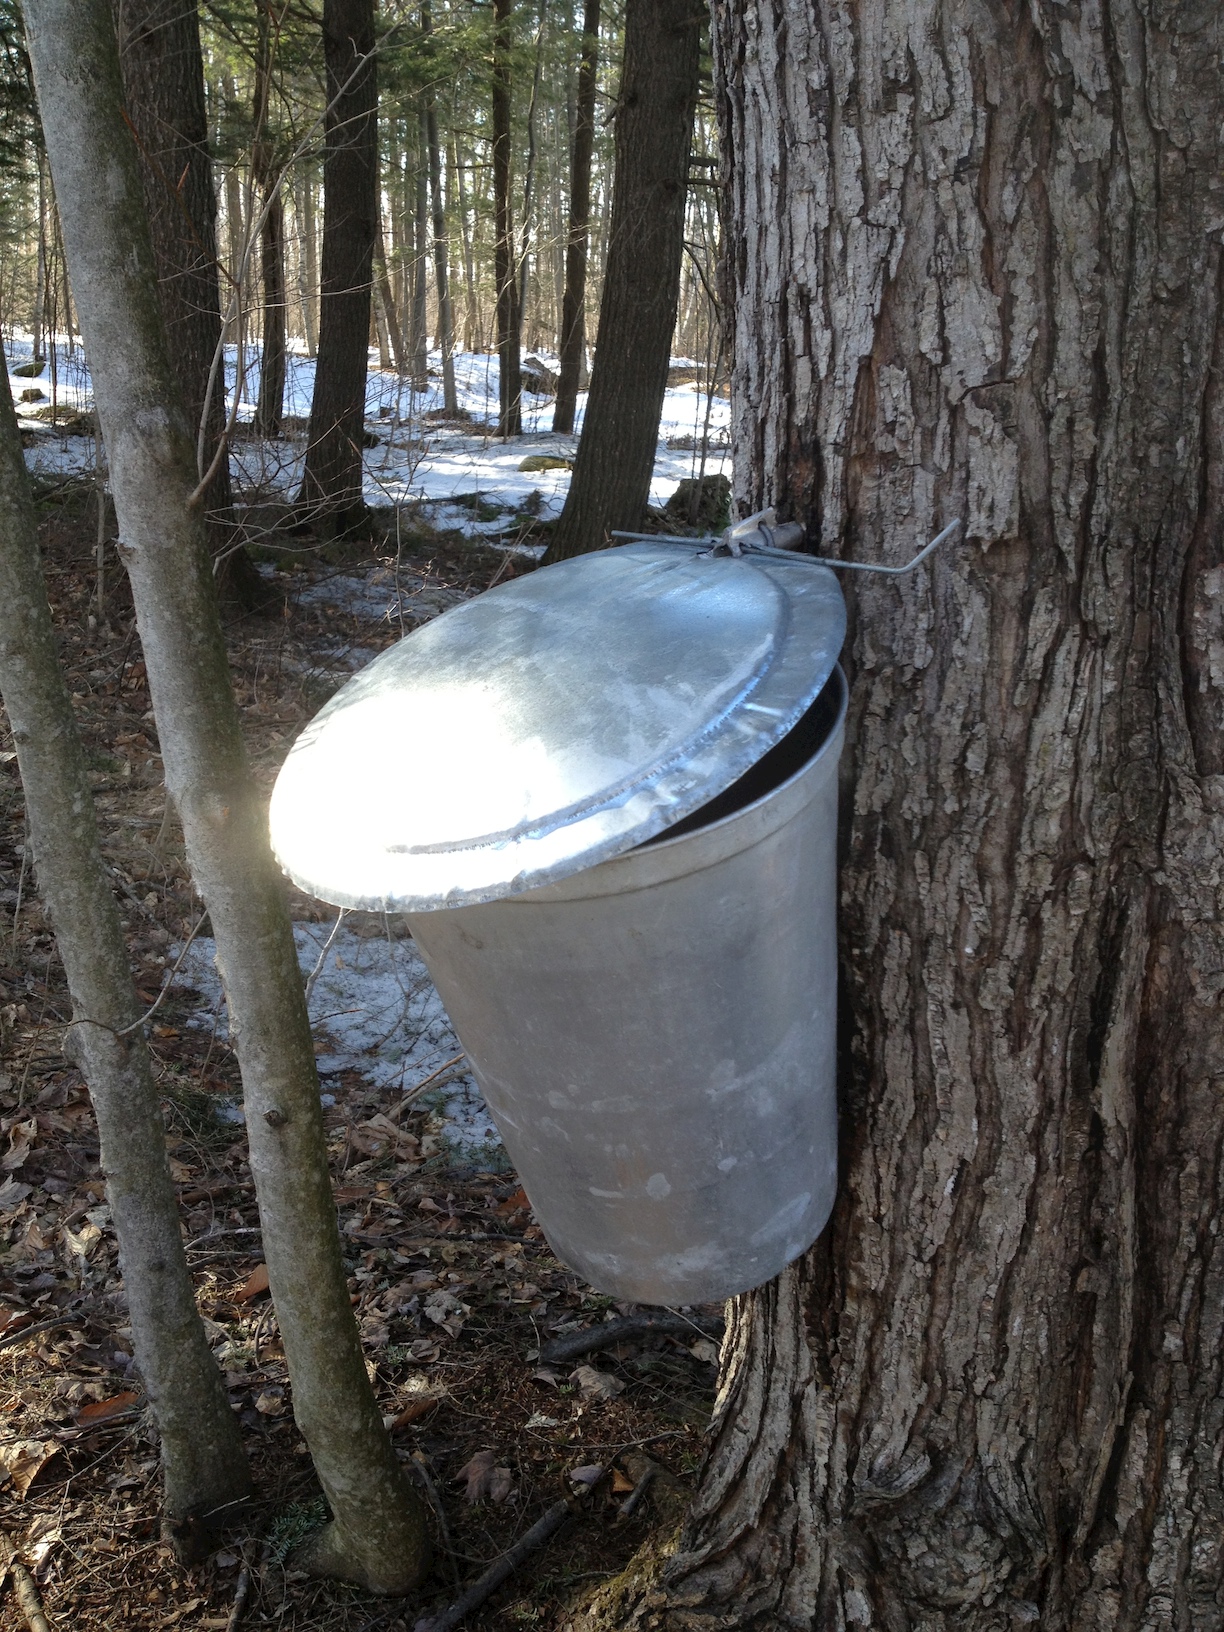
{"points": [[377, 1533], [203, 1463]]}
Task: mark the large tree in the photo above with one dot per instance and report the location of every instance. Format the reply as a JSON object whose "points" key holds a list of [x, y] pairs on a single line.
{"points": [[975, 250], [332, 484], [641, 290], [163, 85]]}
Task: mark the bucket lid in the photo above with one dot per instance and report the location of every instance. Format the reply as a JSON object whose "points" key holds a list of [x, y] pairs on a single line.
{"points": [[552, 723]]}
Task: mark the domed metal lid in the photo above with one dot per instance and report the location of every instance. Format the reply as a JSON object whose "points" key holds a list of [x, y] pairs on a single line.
{"points": [[552, 723]]}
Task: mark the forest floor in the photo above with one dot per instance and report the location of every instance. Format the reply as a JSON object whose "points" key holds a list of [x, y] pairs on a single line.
{"points": [[454, 1288]]}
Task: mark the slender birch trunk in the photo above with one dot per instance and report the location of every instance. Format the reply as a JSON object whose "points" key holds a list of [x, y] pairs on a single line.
{"points": [[203, 1464], [573, 300], [377, 1534]]}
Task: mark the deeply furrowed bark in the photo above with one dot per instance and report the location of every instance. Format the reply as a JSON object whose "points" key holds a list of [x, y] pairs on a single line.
{"points": [[377, 1535], [975, 246], [203, 1463], [637, 317], [332, 483]]}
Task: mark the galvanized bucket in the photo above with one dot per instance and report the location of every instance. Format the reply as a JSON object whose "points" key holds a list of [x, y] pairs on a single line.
{"points": [[604, 795], [655, 1036]]}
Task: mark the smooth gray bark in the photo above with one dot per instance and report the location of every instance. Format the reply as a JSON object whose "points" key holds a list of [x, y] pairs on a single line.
{"points": [[377, 1536], [446, 322], [203, 1463]]}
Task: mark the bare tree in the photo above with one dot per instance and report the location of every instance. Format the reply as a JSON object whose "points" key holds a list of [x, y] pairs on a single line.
{"points": [[573, 301], [637, 317], [266, 176], [377, 1534], [973, 276], [332, 484], [203, 1463], [163, 83], [446, 323], [509, 339]]}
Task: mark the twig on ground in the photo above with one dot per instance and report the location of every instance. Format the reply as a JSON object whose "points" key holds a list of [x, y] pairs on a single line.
{"points": [[424, 1083], [631, 1503], [593, 1338], [541, 1531], [420, 1468], [241, 1589], [24, 1588], [10, 1338]]}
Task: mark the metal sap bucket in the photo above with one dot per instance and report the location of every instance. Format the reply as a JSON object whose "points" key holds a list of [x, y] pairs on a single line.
{"points": [[605, 796], [656, 1037]]}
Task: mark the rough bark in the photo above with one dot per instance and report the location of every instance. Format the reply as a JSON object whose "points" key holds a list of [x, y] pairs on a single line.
{"points": [[377, 1534], [637, 315], [265, 173], [420, 261], [976, 257], [509, 339], [386, 299], [332, 484], [203, 1463], [573, 300], [163, 83], [441, 251]]}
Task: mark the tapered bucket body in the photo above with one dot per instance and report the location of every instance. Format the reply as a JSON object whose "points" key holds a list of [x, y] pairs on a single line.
{"points": [[656, 1036]]}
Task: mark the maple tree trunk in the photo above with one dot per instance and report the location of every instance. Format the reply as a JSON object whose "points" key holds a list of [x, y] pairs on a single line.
{"points": [[332, 484], [641, 291], [377, 1533], [976, 261], [203, 1463], [573, 299], [163, 84]]}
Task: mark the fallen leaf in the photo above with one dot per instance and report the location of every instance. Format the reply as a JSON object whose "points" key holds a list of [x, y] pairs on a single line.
{"points": [[103, 1410], [21, 1138], [23, 1460], [705, 1351], [271, 1401], [12, 1320], [597, 1385], [12, 1193], [537, 1419], [42, 1537], [514, 1203], [428, 1205], [620, 1484], [544, 1375], [255, 1283], [445, 1310], [589, 1475], [413, 1411], [483, 1478]]}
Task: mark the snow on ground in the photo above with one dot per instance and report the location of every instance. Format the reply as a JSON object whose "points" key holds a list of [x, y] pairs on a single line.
{"points": [[466, 478], [373, 1010], [373, 1006]]}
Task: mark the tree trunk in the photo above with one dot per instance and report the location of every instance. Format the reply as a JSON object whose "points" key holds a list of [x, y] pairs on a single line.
{"points": [[265, 171], [310, 266], [391, 322], [573, 303], [473, 338], [332, 484], [637, 317], [420, 262], [529, 179], [509, 343], [163, 84], [377, 1534], [973, 277], [202, 1458], [446, 324]]}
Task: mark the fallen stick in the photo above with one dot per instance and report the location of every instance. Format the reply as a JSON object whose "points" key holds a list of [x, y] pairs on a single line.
{"points": [[631, 1503], [487, 1585], [10, 1338], [240, 1596], [610, 1332], [24, 1589]]}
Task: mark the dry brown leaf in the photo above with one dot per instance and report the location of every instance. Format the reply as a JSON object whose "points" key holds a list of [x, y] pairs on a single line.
{"points": [[483, 1478], [704, 1351], [103, 1410], [21, 1137], [255, 1283], [621, 1484], [23, 1460], [271, 1401], [597, 1385]]}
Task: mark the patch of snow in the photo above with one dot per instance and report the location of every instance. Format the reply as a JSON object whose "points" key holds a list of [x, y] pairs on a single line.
{"points": [[373, 1010]]}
